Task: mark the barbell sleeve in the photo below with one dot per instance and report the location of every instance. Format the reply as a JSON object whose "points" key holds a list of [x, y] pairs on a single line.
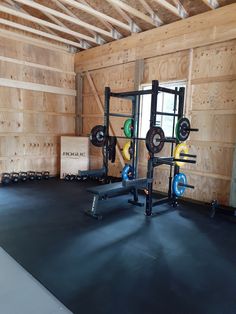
{"points": [[186, 185]]}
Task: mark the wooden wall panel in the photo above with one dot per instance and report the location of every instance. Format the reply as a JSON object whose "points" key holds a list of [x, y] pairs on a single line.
{"points": [[167, 68], [214, 96], [215, 61], [31, 122]]}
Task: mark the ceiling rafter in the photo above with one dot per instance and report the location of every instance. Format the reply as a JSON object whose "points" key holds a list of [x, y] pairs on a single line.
{"points": [[40, 33], [11, 3], [151, 12], [132, 11], [97, 14], [104, 22], [67, 17], [134, 28], [45, 23], [61, 6], [213, 4], [181, 8], [83, 43], [170, 8]]}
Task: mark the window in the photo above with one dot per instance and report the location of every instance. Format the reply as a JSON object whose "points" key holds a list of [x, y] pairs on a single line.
{"points": [[165, 103]]}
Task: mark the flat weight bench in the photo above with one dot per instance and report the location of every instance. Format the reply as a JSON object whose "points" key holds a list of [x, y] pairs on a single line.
{"points": [[106, 191]]}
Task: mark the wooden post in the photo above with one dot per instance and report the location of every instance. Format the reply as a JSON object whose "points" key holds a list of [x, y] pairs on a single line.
{"points": [[138, 73], [79, 105]]}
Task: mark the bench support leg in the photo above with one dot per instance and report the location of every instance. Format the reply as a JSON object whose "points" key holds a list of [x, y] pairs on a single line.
{"points": [[135, 201], [93, 211]]}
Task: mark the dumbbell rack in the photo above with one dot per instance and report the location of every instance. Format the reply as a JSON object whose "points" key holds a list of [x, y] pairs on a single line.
{"points": [[154, 161]]}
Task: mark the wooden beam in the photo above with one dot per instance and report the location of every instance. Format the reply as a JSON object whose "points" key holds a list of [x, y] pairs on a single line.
{"points": [[96, 13], [104, 22], [83, 43], [61, 6], [213, 4], [37, 87], [34, 41], [35, 65], [19, 8], [65, 17], [152, 14], [79, 105], [101, 108], [196, 31], [169, 7], [133, 11], [134, 28], [182, 11], [40, 33], [45, 23]]}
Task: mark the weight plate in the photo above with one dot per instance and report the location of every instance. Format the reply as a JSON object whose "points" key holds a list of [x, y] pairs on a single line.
{"points": [[181, 129], [97, 135], [180, 148], [128, 151], [127, 173], [179, 190], [155, 139], [128, 128]]}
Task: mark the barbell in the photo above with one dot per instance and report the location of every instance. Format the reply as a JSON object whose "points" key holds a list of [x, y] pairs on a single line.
{"points": [[155, 138]]}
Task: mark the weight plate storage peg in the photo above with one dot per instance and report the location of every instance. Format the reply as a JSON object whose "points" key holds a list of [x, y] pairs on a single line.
{"points": [[127, 173], [128, 128], [180, 148], [180, 179], [97, 136], [182, 129], [155, 139]]}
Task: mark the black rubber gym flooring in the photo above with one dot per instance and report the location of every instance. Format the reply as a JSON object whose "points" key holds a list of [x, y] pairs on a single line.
{"points": [[178, 262]]}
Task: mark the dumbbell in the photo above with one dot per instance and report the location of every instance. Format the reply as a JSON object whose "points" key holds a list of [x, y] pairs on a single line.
{"points": [[31, 175], [6, 178], [72, 177], [67, 177], [14, 177], [39, 175], [46, 174], [23, 176]]}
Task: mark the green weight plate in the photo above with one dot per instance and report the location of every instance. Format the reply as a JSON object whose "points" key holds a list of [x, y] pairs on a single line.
{"points": [[181, 129], [128, 128]]}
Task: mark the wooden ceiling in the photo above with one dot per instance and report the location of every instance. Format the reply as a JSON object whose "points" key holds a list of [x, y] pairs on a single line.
{"points": [[82, 24]]}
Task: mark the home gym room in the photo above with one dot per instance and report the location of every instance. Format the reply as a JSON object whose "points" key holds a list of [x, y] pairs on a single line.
{"points": [[117, 156]]}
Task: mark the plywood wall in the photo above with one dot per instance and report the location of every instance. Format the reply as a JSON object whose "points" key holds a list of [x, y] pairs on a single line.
{"points": [[37, 105], [210, 73]]}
